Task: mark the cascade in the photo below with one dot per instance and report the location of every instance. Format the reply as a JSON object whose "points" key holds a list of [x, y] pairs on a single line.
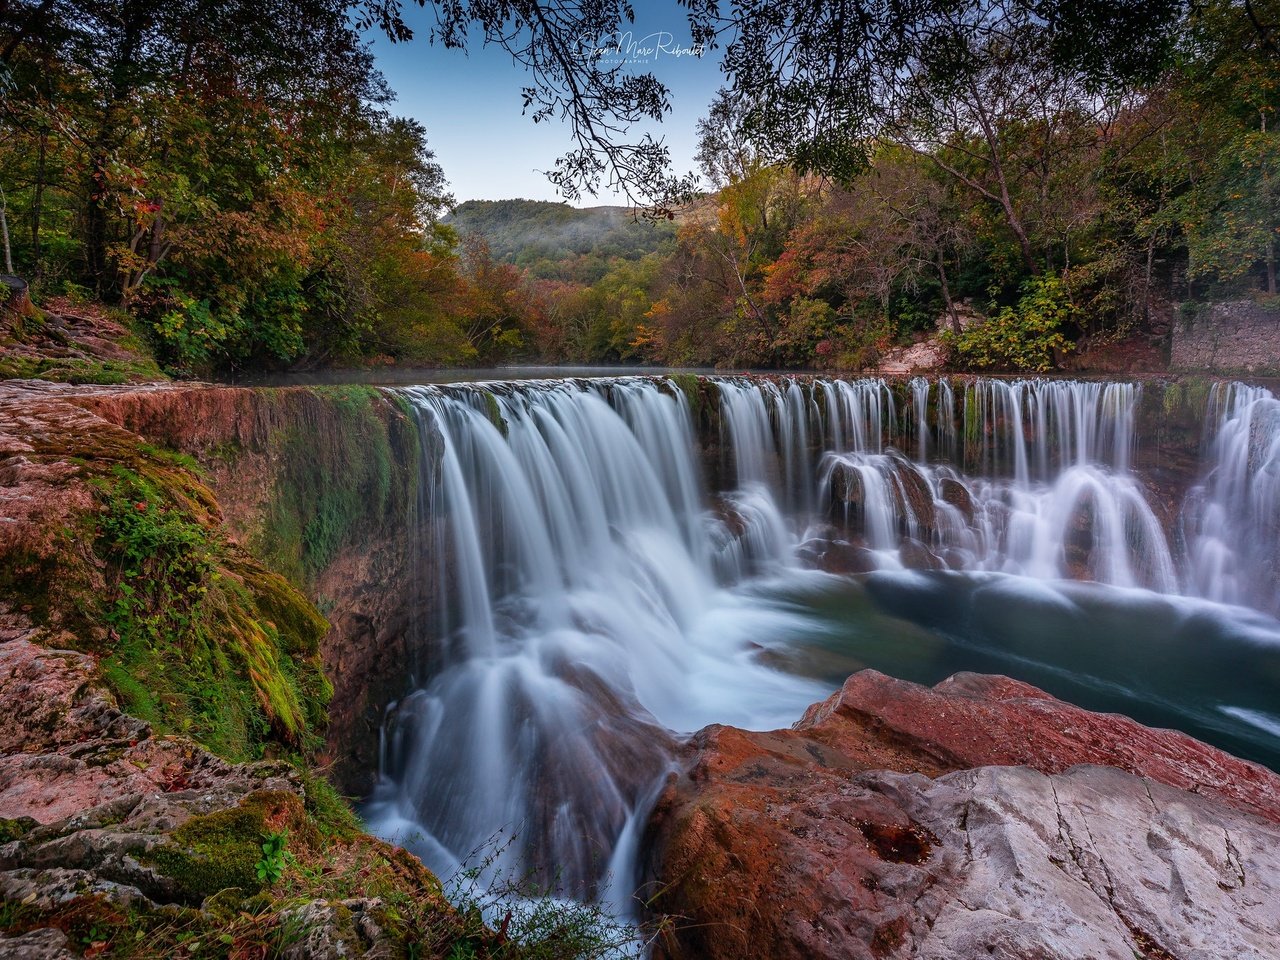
{"points": [[590, 610], [1232, 519], [1048, 490], [598, 601]]}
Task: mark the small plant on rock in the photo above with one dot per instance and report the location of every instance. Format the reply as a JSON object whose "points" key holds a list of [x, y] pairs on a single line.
{"points": [[275, 857]]}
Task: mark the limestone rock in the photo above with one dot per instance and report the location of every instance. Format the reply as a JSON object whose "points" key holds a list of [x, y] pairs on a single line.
{"points": [[47, 944], [978, 818]]}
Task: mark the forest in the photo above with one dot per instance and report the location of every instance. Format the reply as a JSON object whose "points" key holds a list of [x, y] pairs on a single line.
{"points": [[247, 197]]}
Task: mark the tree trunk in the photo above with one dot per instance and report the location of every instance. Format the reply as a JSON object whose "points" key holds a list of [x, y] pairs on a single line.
{"points": [[946, 296], [997, 167], [95, 221], [134, 17], [1146, 279], [37, 202], [4, 236], [1271, 263]]}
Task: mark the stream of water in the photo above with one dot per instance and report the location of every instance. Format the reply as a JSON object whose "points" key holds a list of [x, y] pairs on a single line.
{"points": [[602, 596]]}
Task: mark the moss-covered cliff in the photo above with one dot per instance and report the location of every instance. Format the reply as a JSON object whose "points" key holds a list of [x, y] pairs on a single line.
{"points": [[319, 484]]}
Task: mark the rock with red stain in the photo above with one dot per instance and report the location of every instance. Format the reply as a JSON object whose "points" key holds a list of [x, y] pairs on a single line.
{"points": [[979, 818], [65, 748], [975, 720]]}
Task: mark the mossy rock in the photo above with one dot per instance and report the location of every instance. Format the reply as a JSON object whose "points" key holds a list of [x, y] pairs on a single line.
{"points": [[15, 829], [25, 581], [690, 386], [347, 463], [219, 851], [493, 410], [226, 904]]}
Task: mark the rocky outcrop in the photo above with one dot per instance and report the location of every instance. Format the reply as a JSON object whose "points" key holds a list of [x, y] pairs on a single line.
{"points": [[113, 837], [978, 818], [67, 342], [126, 837], [65, 748]]}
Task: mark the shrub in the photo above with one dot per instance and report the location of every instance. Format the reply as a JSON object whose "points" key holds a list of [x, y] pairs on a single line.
{"points": [[1022, 337]]}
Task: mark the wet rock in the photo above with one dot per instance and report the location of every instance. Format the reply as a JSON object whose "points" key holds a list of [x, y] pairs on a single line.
{"points": [[1078, 543], [916, 556], [914, 498], [977, 818], [837, 556], [847, 489], [972, 720], [954, 492]]}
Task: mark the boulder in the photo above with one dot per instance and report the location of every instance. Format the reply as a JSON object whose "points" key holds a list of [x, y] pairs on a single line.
{"points": [[978, 818]]}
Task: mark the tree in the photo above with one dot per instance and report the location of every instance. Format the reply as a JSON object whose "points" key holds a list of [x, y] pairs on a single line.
{"points": [[822, 78], [1230, 146]]}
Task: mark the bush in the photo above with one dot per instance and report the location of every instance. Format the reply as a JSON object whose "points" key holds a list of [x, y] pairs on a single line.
{"points": [[1020, 338]]}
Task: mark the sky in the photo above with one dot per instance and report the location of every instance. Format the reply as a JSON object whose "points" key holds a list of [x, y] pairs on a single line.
{"points": [[470, 104]]}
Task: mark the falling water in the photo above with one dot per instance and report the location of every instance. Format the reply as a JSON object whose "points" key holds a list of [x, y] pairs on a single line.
{"points": [[1049, 492], [1232, 519], [592, 610], [599, 600]]}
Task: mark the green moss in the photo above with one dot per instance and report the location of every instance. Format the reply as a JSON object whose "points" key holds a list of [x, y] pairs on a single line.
{"points": [[347, 462], [216, 852], [688, 384], [493, 410], [207, 642], [330, 812], [1187, 397], [26, 578], [183, 460], [77, 370], [227, 451], [1190, 311], [11, 830]]}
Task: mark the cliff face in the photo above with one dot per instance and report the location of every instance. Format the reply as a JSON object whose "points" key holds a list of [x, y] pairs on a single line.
{"points": [[320, 483], [148, 661]]}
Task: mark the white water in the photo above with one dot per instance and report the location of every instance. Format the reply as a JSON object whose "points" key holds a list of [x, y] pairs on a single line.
{"points": [[600, 602], [1232, 520], [593, 609], [1050, 495]]}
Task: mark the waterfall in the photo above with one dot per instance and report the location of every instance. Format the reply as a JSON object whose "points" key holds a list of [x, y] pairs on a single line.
{"points": [[1232, 519], [1048, 490], [591, 609], [598, 600]]}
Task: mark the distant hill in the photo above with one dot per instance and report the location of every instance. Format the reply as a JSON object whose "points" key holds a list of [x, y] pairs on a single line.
{"points": [[557, 240]]}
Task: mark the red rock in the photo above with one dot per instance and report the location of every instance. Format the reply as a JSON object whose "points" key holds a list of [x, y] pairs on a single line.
{"points": [[797, 843], [973, 720]]}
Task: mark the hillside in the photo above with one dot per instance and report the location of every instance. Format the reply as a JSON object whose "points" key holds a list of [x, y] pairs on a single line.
{"points": [[557, 241]]}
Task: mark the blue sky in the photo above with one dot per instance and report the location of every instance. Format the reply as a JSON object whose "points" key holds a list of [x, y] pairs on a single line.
{"points": [[470, 104]]}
